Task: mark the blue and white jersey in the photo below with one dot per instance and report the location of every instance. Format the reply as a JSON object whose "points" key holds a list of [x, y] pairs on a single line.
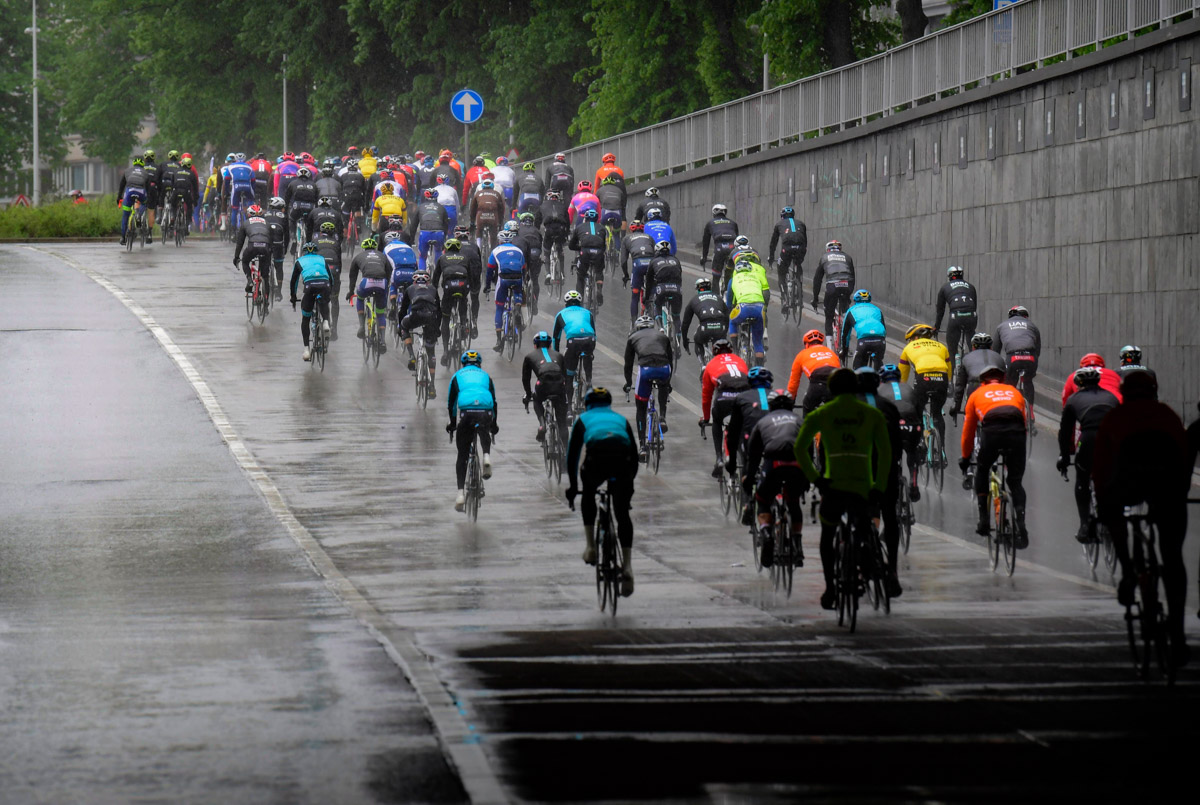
{"points": [[313, 269], [241, 173], [509, 260], [661, 230], [471, 390], [574, 321], [400, 254], [865, 320]]}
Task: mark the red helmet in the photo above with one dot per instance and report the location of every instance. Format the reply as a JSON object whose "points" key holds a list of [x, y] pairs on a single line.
{"points": [[307, 157], [636, 226], [429, 193], [814, 337], [1092, 359], [440, 178], [384, 175], [584, 187], [254, 209], [607, 158]]}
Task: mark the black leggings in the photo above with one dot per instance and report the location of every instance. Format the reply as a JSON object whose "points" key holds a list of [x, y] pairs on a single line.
{"points": [[595, 471], [1010, 442], [471, 423]]}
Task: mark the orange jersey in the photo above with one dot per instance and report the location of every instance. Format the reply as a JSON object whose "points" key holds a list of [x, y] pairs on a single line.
{"points": [[808, 361], [989, 400], [605, 170], [721, 366]]}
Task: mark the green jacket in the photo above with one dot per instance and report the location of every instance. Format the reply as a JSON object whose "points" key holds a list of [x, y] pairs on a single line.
{"points": [[852, 433]]}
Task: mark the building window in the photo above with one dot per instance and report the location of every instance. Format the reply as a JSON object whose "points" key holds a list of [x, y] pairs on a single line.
{"points": [[79, 177]]}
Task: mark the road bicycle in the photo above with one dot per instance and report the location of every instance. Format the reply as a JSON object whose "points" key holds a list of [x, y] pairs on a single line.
{"points": [[575, 405], [460, 338], [168, 221], [654, 429], [373, 338], [1025, 387], [393, 315], [473, 491], [423, 379], [666, 323], [258, 301], [318, 337], [847, 581], [785, 545], [589, 290], [552, 439], [745, 342], [1099, 541], [1004, 518], [138, 226], [609, 554], [725, 484], [612, 249], [1146, 617], [511, 327], [873, 563], [791, 295], [905, 516], [934, 450]]}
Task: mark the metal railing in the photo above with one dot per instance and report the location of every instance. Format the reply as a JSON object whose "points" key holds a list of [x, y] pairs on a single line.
{"points": [[982, 50]]}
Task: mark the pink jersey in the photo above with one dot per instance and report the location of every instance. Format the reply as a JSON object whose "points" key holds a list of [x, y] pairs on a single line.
{"points": [[581, 203], [286, 168]]}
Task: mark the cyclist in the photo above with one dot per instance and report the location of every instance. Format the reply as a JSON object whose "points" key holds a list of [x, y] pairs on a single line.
{"points": [[300, 198], [997, 409], [263, 169], [506, 268], [929, 361], [471, 403], [529, 240], [655, 358], [748, 407], [611, 194], [1021, 343], [487, 211], [854, 474], [900, 395], [837, 270], [583, 200], [164, 177], [1085, 408], [720, 232], [966, 379], [327, 211], [427, 227], [318, 287], [420, 307], [557, 224], [639, 247], [961, 298], [560, 176], [330, 247], [741, 250], [133, 186], [725, 377], [474, 260], [329, 186], [657, 228], [185, 189], [285, 173], [1141, 456], [546, 365], [531, 190], [747, 297], [588, 239], [865, 320], [505, 179], [1109, 380], [447, 196], [710, 313], [792, 236], [653, 202], [772, 444], [387, 205], [606, 441], [452, 278], [1131, 361], [277, 221], [447, 170], [255, 236], [608, 167], [868, 392], [663, 282], [404, 264], [376, 272], [816, 362], [354, 190], [576, 324]]}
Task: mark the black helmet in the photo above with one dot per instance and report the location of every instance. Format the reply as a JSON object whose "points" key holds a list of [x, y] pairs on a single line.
{"points": [[981, 341], [780, 400], [1087, 376], [1018, 310], [1130, 355], [1140, 385], [542, 339], [597, 397], [722, 346], [842, 381], [787, 212], [868, 380]]}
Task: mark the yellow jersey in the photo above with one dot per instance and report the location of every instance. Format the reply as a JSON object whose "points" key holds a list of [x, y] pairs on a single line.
{"points": [[387, 205], [925, 356]]}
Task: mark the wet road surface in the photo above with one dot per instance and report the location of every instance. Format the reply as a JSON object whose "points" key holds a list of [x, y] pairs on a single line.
{"points": [[708, 685]]}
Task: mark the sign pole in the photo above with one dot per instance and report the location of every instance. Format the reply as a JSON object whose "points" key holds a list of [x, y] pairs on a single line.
{"points": [[466, 160]]}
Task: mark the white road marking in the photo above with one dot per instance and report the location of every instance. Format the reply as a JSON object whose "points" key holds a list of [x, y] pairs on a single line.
{"points": [[459, 739]]}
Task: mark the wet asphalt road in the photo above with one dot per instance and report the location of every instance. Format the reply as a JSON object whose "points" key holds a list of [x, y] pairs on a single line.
{"points": [[222, 668]]}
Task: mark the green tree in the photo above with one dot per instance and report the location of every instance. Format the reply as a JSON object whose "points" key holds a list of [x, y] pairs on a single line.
{"points": [[963, 10], [846, 31], [16, 86]]}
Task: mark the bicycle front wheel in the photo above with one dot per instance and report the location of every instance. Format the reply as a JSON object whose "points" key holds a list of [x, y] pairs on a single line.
{"points": [[904, 515], [474, 484], [250, 300], [997, 534], [1009, 544], [939, 460]]}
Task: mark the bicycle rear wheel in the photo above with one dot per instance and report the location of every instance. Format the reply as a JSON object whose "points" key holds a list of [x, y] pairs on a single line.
{"points": [[939, 460], [474, 482], [264, 303], [321, 343], [1009, 545], [252, 298], [904, 515], [726, 493], [997, 528], [422, 379], [180, 223], [1091, 548]]}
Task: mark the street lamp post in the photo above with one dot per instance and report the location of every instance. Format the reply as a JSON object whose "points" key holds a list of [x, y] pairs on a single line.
{"points": [[285, 103], [37, 157]]}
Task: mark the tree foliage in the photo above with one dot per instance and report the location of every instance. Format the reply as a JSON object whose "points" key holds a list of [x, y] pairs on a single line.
{"points": [[810, 36], [16, 87]]}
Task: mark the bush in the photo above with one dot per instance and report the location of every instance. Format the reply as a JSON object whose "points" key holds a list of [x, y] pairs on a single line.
{"points": [[63, 219]]}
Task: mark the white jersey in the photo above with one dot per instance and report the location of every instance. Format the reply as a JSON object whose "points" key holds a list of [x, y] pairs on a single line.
{"points": [[446, 196], [503, 176]]}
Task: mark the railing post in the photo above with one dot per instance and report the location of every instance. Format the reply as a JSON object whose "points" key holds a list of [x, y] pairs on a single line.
{"points": [[1128, 18], [1099, 21], [820, 105], [937, 66], [962, 59], [987, 53], [1041, 43], [1070, 27]]}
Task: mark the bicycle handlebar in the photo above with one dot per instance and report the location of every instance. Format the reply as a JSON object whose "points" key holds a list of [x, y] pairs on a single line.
{"points": [[704, 425]]}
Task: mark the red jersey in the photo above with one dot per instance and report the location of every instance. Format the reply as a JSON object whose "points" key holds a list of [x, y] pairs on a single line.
{"points": [[1109, 381], [808, 361], [721, 366], [474, 177], [605, 170], [262, 166]]}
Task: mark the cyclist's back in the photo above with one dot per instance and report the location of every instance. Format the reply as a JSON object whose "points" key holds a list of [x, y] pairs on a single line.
{"points": [[997, 410], [1021, 342], [961, 298]]}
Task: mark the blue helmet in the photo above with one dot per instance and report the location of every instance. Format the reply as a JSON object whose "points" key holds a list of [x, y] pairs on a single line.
{"points": [[862, 295], [889, 372], [760, 377], [542, 338], [470, 358], [596, 397]]}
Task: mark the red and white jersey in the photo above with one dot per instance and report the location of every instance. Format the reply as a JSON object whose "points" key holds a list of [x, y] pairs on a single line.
{"points": [[726, 365]]}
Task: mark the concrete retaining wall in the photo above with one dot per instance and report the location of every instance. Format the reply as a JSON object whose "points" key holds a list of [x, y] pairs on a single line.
{"points": [[1068, 189]]}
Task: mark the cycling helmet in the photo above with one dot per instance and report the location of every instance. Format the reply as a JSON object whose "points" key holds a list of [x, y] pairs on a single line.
{"points": [[453, 244], [149, 153], [703, 284], [868, 380], [780, 400], [651, 192], [842, 381], [636, 226], [981, 341], [304, 172], [440, 178], [304, 157], [506, 236], [254, 209], [607, 158], [138, 162], [509, 226], [329, 227], [487, 184], [813, 337], [186, 162], [954, 272], [352, 165], [584, 187], [324, 201], [662, 247], [743, 265], [643, 322], [787, 212], [529, 167], [653, 215], [462, 229], [327, 168], [477, 160], [833, 246], [610, 179], [572, 298], [391, 236], [526, 218], [241, 156], [992, 372], [542, 339], [760, 377], [429, 193], [741, 240], [719, 209], [598, 396], [889, 372], [172, 154], [370, 243], [918, 331], [1092, 359], [499, 160], [420, 278], [560, 157], [276, 203], [470, 358], [862, 295], [1087, 376], [386, 189], [722, 346], [1130, 355], [1139, 385], [591, 215], [309, 248], [1018, 310]]}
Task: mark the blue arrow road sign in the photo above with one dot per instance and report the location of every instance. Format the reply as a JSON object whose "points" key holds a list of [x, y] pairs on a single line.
{"points": [[466, 106]]}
